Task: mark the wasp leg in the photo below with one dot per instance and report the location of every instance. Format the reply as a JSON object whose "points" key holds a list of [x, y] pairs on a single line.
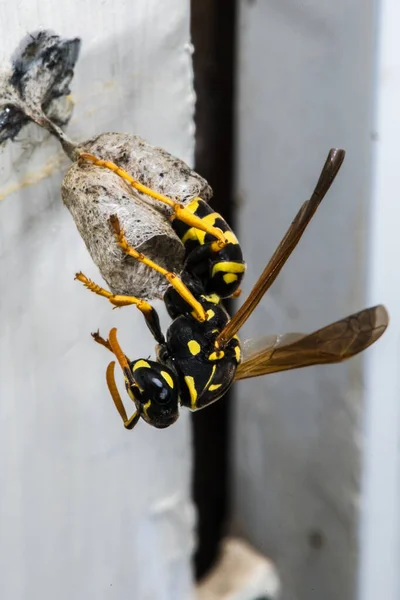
{"points": [[129, 423], [180, 211], [149, 313], [172, 278]]}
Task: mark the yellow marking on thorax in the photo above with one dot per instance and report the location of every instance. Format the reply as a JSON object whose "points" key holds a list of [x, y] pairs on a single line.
{"points": [[230, 277], [214, 387], [194, 347], [189, 380], [238, 354], [213, 298], [228, 267], [168, 378], [217, 355], [141, 364], [210, 314]]}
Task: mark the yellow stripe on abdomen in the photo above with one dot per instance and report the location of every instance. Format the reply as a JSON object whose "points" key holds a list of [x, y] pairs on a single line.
{"points": [[214, 387], [193, 206], [197, 234]]}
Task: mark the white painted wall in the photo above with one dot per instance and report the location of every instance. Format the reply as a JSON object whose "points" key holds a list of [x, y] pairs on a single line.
{"points": [[380, 525], [87, 509], [306, 83]]}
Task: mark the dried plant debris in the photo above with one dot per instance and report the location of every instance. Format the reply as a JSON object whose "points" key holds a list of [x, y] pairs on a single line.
{"points": [[37, 83], [93, 193], [35, 88]]}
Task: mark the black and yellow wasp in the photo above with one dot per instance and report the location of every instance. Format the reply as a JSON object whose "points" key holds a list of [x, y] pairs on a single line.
{"points": [[201, 355]]}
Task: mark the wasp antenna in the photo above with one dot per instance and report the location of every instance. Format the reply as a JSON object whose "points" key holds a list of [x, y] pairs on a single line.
{"points": [[285, 248], [119, 354], [112, 386]]}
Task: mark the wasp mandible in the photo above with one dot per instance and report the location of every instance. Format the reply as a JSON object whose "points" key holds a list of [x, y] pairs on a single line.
{"points": [[201, 355]]}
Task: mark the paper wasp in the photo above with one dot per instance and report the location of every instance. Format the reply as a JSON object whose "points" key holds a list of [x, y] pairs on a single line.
{"points": [[201, 355]]}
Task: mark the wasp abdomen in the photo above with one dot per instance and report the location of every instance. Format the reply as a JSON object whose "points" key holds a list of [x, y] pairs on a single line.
{"points": [[220, 270]]}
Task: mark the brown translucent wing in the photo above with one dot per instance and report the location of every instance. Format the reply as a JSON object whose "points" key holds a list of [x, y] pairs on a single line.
{"points": [[286, 247], [331, 344]]}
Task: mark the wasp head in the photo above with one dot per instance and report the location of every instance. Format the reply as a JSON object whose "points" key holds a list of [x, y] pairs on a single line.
{"points": [[154, 389]]}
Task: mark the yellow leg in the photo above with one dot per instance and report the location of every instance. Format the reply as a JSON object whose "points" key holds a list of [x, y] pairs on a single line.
{"points": [[172, 278], [150, 315], [117, 300], [180, 212]]}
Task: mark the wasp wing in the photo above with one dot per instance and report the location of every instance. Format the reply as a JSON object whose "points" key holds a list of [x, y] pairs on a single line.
{"points": [[331, 344], [286, 246]]}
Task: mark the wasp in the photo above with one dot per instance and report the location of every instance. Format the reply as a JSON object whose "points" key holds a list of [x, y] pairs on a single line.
{"points": [[201, 355]]}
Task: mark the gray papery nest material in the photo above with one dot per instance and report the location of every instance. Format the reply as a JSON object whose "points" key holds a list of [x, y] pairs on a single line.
{"points": [[35, 89]]}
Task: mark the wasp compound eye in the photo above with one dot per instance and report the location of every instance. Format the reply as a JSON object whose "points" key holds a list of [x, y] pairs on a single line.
{"points": [[160, 392], [155, 388]]}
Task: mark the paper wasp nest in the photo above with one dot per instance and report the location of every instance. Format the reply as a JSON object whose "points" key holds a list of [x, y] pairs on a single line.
{"points": [[35, 88], [93, 193]]}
